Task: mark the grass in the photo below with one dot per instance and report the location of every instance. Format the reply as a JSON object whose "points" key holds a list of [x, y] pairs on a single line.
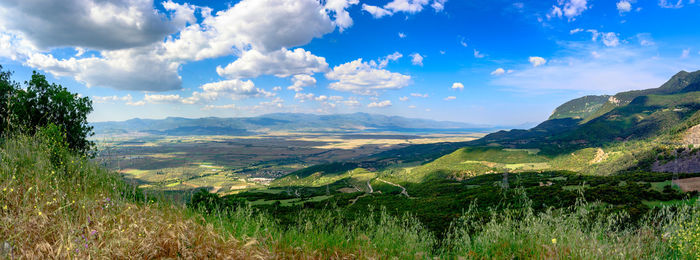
{"points": [[78, 210]]}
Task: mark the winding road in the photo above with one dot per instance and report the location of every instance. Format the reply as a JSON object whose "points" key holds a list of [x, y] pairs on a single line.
{"points": [[403, 190]]}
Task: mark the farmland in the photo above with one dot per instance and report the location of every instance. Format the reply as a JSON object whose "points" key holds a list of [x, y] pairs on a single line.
{"points": [[228, 164]]}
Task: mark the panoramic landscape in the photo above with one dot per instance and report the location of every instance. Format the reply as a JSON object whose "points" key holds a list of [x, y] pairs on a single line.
{"points": [[347, 129]]}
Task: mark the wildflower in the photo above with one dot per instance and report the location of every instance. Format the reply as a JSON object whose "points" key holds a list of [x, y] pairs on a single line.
{"points": [[4, 207], [554, 241], [40, 213], [4, 189]]}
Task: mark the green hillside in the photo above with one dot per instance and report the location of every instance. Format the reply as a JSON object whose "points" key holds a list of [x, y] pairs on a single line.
{"points": [[580, 108]]}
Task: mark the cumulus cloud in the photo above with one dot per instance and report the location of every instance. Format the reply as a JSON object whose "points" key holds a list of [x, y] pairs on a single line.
{"points": [[128, 69], [609, 39], [405, 6], [402, 35], [624, 6], [95, 24], [385, 103], [282, 63], [417, 59], [365, 78], [232, 89], [537, 61], [375, 11], [263, 25], [301, 81], [478, 55], [383, 62], [450, 98], [498, 72], [458, 85], [568, 8], [403, 99], [419, 95], [339, 12], [259, 31], [304, 96]]}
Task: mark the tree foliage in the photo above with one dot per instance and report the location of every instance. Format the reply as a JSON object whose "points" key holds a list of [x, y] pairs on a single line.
{"points": [[40, 104]]}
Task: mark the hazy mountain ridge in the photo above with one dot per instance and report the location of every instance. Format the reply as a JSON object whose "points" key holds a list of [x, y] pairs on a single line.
{"points": [[292, 122]]}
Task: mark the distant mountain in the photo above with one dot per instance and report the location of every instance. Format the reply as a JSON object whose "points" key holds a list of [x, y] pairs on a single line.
{"points": [[291, 122]]}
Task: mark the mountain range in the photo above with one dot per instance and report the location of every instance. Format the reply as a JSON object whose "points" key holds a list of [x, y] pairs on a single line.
{"points": [[286, 122]]}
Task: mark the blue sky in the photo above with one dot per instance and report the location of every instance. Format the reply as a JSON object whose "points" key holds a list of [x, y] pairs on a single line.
{"points": [[489, 62]]}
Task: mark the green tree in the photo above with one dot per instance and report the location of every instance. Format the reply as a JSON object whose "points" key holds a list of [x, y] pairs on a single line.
{"points": [[42, 103]]}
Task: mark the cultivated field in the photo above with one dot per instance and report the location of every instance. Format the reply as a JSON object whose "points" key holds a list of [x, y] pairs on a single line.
{"points": [[228, 164]]}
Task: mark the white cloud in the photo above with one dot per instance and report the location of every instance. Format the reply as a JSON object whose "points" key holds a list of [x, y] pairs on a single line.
{"points": [[568, 8], [458, 85], [136, 104], [575, 31], [95, 24], [419, 95], [391, 57], [624, 6], [128, 69], [303, 96], [498, 72], [277, 88], [666, 4], [685, 53], [450, 98], [610, 39], [161, 99], [438, 5], [412, 106], [341, 15], [111, 99], [365, 78], [376, 11], [416, 59], [301, 81], [405, 6], [210, 107], [282, 63], [478, 55], [232, 89], [403, 99], [263, 25], [537, 61], [381, 104], [277, 102], [402, 35]]}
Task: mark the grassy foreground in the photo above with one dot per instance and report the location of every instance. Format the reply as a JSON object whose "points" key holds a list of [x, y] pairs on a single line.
{"points": [[59, 205]]}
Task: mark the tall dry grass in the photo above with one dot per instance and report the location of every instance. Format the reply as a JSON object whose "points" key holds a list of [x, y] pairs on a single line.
{"points": [[75, 209]]}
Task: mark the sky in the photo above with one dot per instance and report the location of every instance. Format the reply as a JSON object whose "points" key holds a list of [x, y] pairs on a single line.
{"points": [[486, 62]]}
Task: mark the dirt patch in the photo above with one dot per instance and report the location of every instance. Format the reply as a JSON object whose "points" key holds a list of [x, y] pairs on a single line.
{"points": [[599, 156], [689, 184], [692, 136], [347, 190]]}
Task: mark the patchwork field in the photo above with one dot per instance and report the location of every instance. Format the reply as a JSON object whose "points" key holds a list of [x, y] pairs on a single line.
{"points": [[228, 164]]}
